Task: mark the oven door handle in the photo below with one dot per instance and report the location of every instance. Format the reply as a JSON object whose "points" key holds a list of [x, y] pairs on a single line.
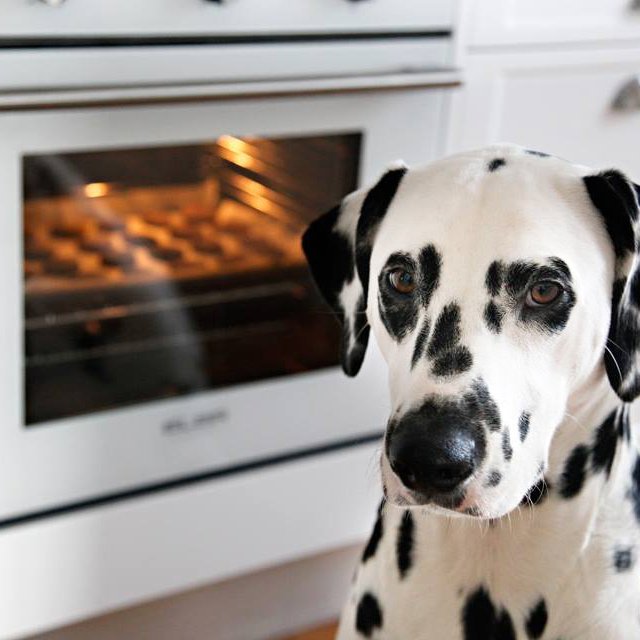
{"points": [[433, 79]]}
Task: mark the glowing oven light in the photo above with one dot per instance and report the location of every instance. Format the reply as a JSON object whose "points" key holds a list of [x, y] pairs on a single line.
{"points": [[96, 189], [237, 151]]}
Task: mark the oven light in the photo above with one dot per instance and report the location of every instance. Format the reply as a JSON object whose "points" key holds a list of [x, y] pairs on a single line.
{"points": [[96, 189], [233, 144], [235, 150]]}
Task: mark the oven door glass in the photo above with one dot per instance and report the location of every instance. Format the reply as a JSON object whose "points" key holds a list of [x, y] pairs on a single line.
{"points": [[161, 271]]}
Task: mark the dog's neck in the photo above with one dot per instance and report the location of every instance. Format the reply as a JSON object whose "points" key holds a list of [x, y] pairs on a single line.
{"points": [[588, 407]]}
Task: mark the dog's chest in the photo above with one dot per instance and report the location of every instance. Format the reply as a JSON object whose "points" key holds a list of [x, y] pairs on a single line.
{"points": [[426, 578]]}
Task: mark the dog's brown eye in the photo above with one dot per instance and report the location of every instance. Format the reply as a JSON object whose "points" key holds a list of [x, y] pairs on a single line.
{"points": [[543, 293], [402, 281]]}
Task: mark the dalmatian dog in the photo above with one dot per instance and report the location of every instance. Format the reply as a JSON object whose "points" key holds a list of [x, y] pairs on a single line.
{"points": [[503, 289]]}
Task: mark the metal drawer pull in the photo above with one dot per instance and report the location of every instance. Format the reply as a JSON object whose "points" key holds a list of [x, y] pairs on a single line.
{"points": [[628, 98], [53, 3]]}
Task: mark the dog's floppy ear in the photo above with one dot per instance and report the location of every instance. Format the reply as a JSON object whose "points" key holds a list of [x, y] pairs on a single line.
{"points": [[616, 198], [338, 248]]}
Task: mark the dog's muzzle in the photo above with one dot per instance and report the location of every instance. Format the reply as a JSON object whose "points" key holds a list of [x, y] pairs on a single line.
{"points": [[434, 451]]}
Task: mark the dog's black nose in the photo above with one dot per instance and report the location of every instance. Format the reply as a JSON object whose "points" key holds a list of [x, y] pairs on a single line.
{"points": [[433, 454]]}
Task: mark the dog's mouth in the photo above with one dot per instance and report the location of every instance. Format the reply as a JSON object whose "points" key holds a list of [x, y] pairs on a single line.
{"points": [[467, 501], [459, 502]]}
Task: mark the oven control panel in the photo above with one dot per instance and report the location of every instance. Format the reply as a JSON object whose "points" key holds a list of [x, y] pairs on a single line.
{"points": [[218, 18]]}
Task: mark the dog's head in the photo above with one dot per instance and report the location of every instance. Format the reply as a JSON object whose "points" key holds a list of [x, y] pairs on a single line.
{"points": [[496, 283]]}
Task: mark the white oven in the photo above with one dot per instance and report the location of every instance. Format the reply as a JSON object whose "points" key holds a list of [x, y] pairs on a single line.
{"points": [[157, 168]]}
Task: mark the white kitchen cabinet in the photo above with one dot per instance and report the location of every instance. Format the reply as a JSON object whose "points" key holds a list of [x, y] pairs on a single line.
{"points": [[555, 101], [518, 22]]}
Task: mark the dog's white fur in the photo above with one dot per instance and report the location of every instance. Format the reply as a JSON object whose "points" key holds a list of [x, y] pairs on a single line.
{"points": [[561, 550]]}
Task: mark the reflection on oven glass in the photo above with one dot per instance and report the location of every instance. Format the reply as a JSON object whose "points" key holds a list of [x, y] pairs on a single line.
{"points": [[156, 272]]}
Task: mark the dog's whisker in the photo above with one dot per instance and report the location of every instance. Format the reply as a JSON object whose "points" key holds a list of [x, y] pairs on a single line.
{"points": [[615, 344], [614, 361], [577, 422], [361, 331]]}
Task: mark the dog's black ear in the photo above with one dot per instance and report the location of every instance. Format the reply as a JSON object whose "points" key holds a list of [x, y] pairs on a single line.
{"points": [[616, 198], [338, 248]]}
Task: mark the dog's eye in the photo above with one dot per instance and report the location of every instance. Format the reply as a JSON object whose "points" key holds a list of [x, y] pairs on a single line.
{"points": [[543, 293], [402, 281]]}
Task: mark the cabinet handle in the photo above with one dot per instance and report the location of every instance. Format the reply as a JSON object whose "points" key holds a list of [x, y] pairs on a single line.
{"points": [[628, 97], [53, 3]]}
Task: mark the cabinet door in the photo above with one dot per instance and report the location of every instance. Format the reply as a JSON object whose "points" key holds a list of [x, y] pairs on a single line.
{"points": [[530, 21], [559, 102]]}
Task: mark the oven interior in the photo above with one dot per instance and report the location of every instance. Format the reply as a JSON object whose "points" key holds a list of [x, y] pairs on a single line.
{"points": [[161, 271]]}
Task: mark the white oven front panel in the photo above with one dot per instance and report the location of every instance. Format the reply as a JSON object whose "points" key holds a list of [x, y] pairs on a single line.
{"points": [[75, 459], [56, 18]]}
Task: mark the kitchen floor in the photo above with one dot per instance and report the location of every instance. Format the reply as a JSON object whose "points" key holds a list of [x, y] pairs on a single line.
{"points": [[323, 633]]}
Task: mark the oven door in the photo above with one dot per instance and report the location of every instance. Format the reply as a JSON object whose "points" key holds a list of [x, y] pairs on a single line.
{"points": [[158, 322]]}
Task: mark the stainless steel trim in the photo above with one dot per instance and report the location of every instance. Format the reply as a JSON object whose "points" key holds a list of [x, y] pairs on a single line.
{"points": [[29, 100]]}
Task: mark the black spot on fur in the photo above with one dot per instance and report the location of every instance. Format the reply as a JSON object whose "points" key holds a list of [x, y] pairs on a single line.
{"points": [[634, 289], [376, 535], [536, 494], [507, 450], [573, 475], [446, 332], [624, 428], [481, 620], [421, 340], [613, 196], [504, 627], [398, 312], [453, 362], [540, 154], [519, 275], [617, 360], [494, 478], [495, 164], [368, 615], [374, 208], [480, 402], [404, 544], [616, 199], [449, 357], [493, 315], [561, 267], [430, 265], [554, 317], [523, 425], [398, 318], [330, 256], [634, 492], [332, 264], [537, 620], [605, 445], [493, 278], [353, 352], [623, 559]]}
